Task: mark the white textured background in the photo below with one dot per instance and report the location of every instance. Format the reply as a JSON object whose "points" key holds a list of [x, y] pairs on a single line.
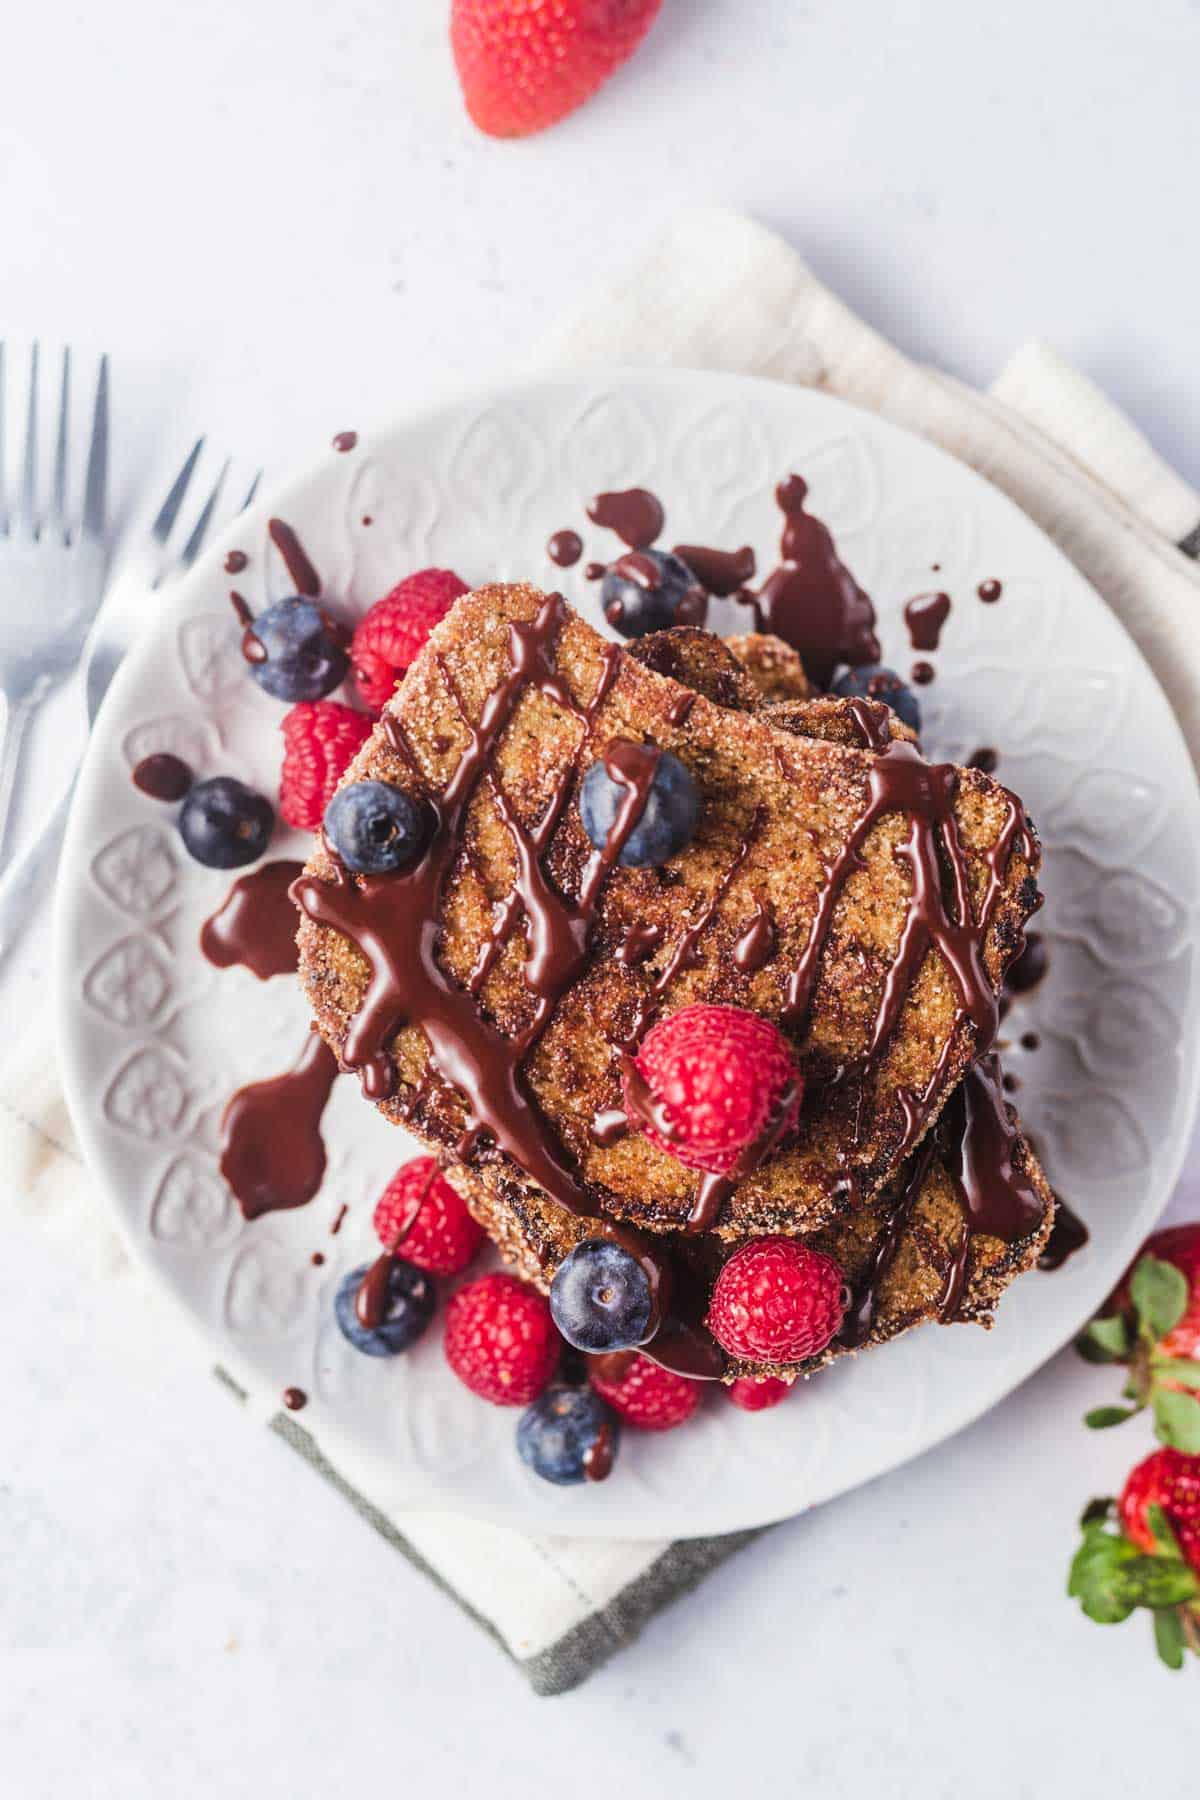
{"points": [[279, 221]]}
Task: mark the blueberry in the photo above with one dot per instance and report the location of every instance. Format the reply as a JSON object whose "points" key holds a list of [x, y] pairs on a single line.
{"points": [[667, 820], [225, 824], [642, 590], [409, 1308], [557, 1431], [375, 827], [600, 1298], [296, 653], [871, 681]]}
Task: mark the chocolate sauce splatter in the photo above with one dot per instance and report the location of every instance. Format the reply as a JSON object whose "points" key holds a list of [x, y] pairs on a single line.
{"points": [[635, 514], [235, 562], [255, 925], [565, 549], [719, 572], [925, 615], [984, 759], [272, 1152], [1067, 1235], [922, 673], [295, 1399], [304, 576], [811, 600], [990, 591], [162, 776]]}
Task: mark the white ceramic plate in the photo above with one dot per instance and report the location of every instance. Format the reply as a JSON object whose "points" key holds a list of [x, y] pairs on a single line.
{"points": [[154, 1040]]}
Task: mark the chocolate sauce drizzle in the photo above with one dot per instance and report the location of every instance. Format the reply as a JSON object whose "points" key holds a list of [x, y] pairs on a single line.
{"points": [[756, 946], [272, 1152], [255, 925], [304, 577], [1067, 1235], [978, 1141]]}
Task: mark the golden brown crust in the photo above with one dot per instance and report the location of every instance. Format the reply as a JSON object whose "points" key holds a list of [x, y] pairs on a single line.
{"points": [[785, 805]]}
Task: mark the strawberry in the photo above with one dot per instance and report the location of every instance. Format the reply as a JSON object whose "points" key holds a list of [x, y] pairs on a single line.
{"points": [[525, 64], [1143, 1550], [1151, 1325]]}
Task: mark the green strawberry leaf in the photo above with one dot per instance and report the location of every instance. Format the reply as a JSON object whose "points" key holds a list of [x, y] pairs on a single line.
{"points": [[1157, 1581], [1168, 1637], [1160, 1295], [1161, 1531], [1105, 1340], [1094, 1578], [1177, 1421], [1101, 1417], [1187, 1374]]}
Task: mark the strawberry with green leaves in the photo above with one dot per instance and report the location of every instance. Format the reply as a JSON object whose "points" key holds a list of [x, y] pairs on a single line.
{"points": [[1144, 1551], [1152, 1326]]}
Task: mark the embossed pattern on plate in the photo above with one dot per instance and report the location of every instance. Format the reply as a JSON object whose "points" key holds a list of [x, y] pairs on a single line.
{"points": [[154, 1040]]}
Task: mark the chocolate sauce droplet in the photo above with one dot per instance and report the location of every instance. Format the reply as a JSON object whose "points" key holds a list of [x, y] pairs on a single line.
{"points": [[635, 514], [565, 548], [235, 562], [255, 925], [922, 673], [985, 759], [925, 616], [598, 1457], [295, 1399], [345, 440], [162, 776], [1029, 968], [989, 591]]}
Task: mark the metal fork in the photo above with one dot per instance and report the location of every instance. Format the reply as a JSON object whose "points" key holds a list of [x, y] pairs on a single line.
{"points": [[51, 568], [156, 559]]}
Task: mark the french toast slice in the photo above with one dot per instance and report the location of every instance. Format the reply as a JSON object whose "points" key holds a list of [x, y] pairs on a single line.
{"points": [[516, 691]]}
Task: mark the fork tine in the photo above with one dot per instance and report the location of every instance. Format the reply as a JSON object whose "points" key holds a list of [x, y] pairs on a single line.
{"points": [[59, 503], [254, 486], [169, 511], [191, 549], [29, 478], [95, 487]]}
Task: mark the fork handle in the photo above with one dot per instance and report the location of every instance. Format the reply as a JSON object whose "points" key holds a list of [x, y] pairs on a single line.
{"points": [[27, 876], [16, 717]]}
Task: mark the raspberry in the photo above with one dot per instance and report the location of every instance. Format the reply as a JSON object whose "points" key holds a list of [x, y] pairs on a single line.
{"points": [[713, 1079], [647, 1395], [422, 1215], [755, 1394], [395, 630], [1171, 1480], [320, 740], [776, 1300], [500, 1340]]}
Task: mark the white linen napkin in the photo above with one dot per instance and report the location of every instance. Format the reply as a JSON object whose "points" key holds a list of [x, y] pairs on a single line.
{"points": [[718, 291]]}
